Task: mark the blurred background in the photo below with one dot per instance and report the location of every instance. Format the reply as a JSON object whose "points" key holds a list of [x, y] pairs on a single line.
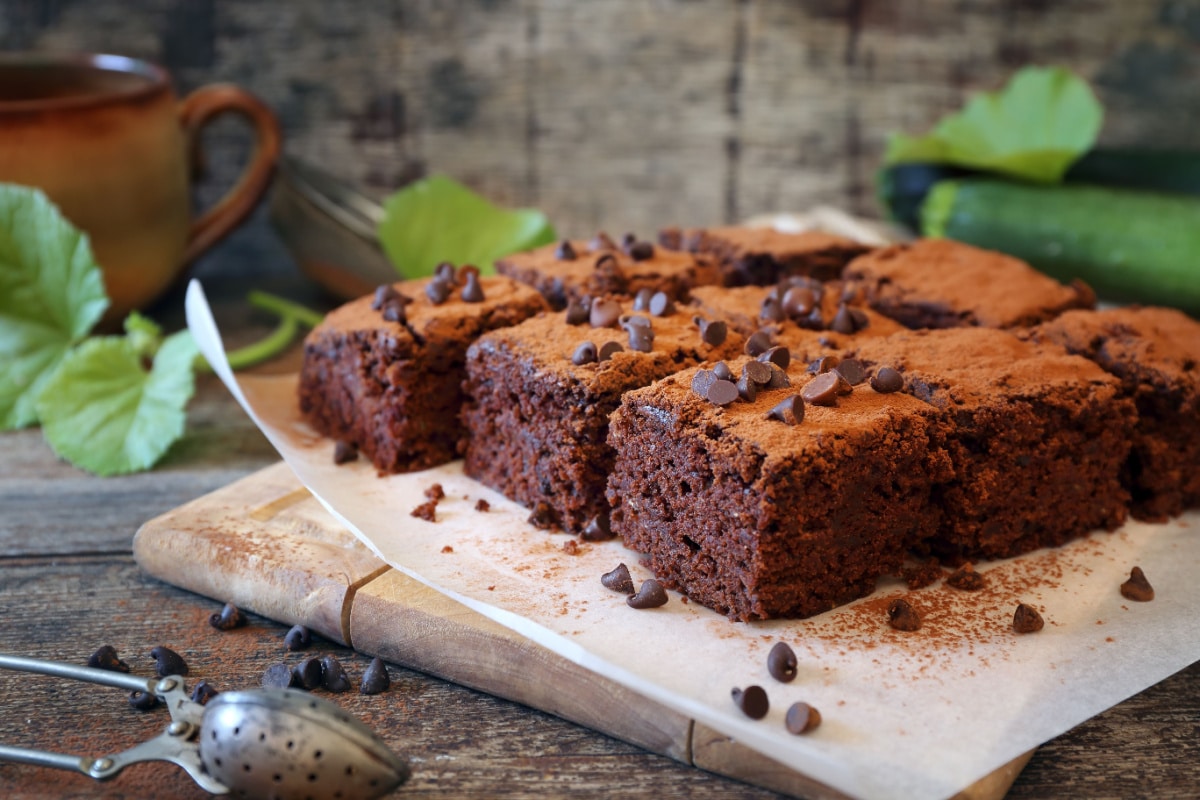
{"points": [[626, 115]]}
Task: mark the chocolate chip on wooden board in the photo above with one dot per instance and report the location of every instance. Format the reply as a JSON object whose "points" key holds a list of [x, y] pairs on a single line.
{"points": [[298, 638], [230, 617], [143, 701], [1137, 588], [278, 676], [106, 658], [168, 662], [308, 674], [375, 678], [333, 675]]}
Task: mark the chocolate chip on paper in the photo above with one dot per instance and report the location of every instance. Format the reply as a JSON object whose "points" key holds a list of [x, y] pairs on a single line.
{"points": [[618, 579], [752, 701], [650, 595]]}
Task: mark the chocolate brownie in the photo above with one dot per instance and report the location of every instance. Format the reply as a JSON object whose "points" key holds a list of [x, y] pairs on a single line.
{"points": [[540, 394], [385, 372], [762, 256], [574, 269], [1037, 437], [756, 515], [1155, 352], [939, 283]]}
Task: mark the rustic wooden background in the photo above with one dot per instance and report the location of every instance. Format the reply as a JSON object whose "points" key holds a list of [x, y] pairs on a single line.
{"points": [[628, 114]]}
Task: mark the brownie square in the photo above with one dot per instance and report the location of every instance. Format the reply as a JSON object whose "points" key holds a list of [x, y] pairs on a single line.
{"points": [[756, 517], [762, 256], [390, 383], [575, 269], [1155, 353], [1037, 437], [939, 283], [537, 413]]}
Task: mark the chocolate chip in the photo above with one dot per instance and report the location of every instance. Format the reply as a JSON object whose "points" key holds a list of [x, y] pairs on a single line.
{"points": [[608, 350], [577, 313], [383, 293], [752, 701], [607, 263], [344, 452], [393, 311], [542, 516], [814, 321], [308, 674], [801, 718], [798, 301], [482, 505], [375, 679], [333, 675], [843, 321], [298, 638], [861, 320], [628, 240], [229, 618], [722, 371], [966, 579], [278, 676], [852, 370], [779, 379], [473, 291], [1026, 619], [168, 662], [747, 389], [1137, 588], [202, 692], [106, 658], [605, 313], [618, 580], [702, 381], [601, 241], [444, 272], [758, 343], [641, 300], [779, 356], [641, 251], [713, 332], [781, 662], [651, 595], [584, 354], [823, 364], [771, 311], [887, 380], [757, 371], [843, 386], [437, 291], [564, 251], [722, 393], [142, 701], [822, 390], [789, 410], [597, 529], [661, 305], [902, 616]]}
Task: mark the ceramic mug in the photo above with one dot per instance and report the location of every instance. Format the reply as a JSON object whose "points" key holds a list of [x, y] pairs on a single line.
{"points": [[110, 143]]}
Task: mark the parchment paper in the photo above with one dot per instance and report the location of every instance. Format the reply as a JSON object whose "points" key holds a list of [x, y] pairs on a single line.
{"points": [[905, 715]]}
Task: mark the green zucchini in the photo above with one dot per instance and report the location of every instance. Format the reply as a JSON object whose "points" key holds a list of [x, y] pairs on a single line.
{"points": [[1130, 246]]}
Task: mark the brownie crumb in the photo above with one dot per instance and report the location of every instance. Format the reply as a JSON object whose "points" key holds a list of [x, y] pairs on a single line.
{"points": [[435, 492], [618, 579], [344, 452], [752, 701], [802, 718], [651, 595], [542, 516], [1026, 619], [426, 511], [902, 616], [482, 505], [1137, 588], [447, 549], [922, 575], [571, 547], [965, 578]]}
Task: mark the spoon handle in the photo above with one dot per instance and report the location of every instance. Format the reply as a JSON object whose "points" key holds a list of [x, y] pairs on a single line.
{"points": [[72, 672]]}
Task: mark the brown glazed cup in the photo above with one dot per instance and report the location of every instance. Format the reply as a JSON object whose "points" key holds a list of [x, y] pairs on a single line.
{"points": [[109, 142]]}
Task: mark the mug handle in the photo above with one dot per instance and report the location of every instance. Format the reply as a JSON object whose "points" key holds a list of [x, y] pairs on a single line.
{"points": [[196, 110]]}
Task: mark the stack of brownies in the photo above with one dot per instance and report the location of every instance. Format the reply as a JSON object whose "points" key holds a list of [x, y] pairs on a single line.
{"points": [[774, 420]]}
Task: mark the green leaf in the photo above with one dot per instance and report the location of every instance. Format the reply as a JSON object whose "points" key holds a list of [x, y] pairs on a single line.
{"points": [[1034, 129], [104, 411], [51, 294], [438, 219]]}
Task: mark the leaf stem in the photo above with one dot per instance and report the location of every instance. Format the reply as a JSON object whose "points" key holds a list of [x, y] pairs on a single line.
{"points": [[291, 317], [285, 308]]}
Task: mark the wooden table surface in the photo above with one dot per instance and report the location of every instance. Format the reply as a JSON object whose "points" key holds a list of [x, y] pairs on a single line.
{"points": [[68, 584]]}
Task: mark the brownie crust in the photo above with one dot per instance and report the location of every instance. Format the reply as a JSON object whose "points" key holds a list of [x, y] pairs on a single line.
{"points": [[1155, 353], [761, 256], [939, 283], [393, 389]]}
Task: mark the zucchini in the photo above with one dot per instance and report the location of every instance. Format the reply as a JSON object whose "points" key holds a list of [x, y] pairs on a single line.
{"points": [[1130, 246]]}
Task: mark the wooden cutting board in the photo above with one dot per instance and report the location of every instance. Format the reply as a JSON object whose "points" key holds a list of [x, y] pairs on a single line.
{"points": [[267, 545]]}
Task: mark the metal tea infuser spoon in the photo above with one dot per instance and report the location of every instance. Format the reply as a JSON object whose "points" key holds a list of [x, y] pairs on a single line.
{"points": [[259, 743]]}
